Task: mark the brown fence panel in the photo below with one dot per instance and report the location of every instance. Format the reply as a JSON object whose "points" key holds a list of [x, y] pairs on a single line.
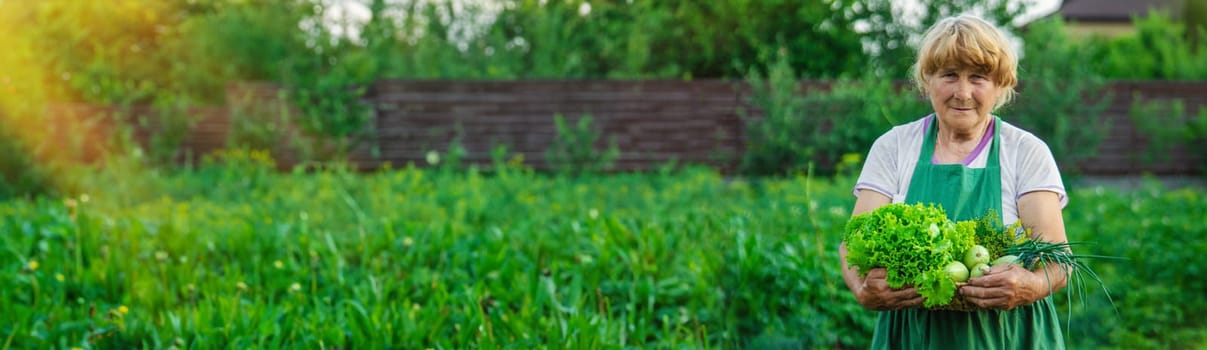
{"points": [[652, 122], [88, 133], [1123, 152], [207, 135], [656, 121]]}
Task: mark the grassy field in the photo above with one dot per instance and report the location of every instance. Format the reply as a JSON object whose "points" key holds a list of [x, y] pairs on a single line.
{"points": [[241, 257]]}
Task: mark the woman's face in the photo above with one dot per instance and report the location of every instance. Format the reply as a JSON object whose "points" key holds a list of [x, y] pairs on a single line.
{"points": [[962, 96]]}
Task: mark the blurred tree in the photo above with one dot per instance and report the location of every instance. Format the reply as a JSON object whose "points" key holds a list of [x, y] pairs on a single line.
{"points": [[1160, 49], [1061, 97], [59, 52], [893, 30], [119, 59], [724, 38], [1195, 16], [678, 38], [289, 42]]}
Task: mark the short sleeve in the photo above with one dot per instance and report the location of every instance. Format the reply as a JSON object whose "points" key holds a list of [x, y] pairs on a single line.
{"points": [[1038, 171], [879, 170]]}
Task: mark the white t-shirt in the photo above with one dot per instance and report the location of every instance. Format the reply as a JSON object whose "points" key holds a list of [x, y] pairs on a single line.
{"points": [[1027, 164]]}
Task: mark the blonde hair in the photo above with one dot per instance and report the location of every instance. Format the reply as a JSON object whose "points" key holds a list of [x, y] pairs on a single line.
{"points": [[968, 42]]}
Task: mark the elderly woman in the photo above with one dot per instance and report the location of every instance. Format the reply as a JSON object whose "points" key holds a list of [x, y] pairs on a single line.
{"points": [[968, 161]]}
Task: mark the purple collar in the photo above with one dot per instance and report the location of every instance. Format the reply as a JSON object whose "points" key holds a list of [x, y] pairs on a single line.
{"points": [[975, 152]]}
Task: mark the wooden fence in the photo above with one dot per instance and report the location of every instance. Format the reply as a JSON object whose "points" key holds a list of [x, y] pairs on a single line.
{"points": [[652, 122], [1122, 153]]}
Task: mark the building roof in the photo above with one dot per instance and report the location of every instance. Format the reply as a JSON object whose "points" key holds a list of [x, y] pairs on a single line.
{"points": [[1114, 10]]}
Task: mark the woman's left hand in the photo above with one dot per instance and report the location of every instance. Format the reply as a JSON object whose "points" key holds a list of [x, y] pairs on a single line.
{"points": [[1006, 287]]}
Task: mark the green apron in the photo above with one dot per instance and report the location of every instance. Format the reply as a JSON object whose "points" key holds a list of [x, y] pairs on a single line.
{"points": [[965, 193]]}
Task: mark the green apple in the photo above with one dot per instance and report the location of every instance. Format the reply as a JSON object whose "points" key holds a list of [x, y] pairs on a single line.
{"points": [[979, 270], [976, 255], [957, 271]]}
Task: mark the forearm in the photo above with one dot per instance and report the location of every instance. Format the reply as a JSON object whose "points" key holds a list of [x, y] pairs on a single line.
{"points": [[1051, 278], [1040, 211], [849, 274], [868, 200]]}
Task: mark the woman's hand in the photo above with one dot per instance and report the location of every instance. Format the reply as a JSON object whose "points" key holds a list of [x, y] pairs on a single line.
{"points": [[1009, 286], [1006, 287], [874, 293]]}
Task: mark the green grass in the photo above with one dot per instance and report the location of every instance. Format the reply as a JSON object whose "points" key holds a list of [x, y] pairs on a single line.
{"points": [[239, 257], [423, 259]]}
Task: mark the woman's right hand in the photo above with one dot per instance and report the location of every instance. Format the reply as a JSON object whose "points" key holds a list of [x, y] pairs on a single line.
{"points": [[874, 293]]}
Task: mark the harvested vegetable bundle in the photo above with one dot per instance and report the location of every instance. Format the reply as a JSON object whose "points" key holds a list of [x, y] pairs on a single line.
{"points": [[919, 246], [915, 243]]}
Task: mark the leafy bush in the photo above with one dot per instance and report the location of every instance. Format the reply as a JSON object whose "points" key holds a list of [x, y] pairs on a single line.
{"points": [[1158, 292], [453, 158], [263, 123], [20, 175], [1160, 49], [175, 120], [1167, 124], [323, 75], [1061, 99], [335, 117], [574, 149], [821, 127]]}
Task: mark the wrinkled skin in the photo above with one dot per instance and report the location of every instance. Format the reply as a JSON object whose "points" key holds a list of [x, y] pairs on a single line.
{"points": [[875, 293]]}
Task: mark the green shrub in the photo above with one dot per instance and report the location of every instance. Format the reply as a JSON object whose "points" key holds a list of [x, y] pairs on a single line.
{"points": [[574, 149], [1061, 99], [20, 175], [821, 127], [1158, 292], [773, 142], [453, 159], [1167, 124], [176, 121], [1160, 49], [323, 76], [263, 123]]}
